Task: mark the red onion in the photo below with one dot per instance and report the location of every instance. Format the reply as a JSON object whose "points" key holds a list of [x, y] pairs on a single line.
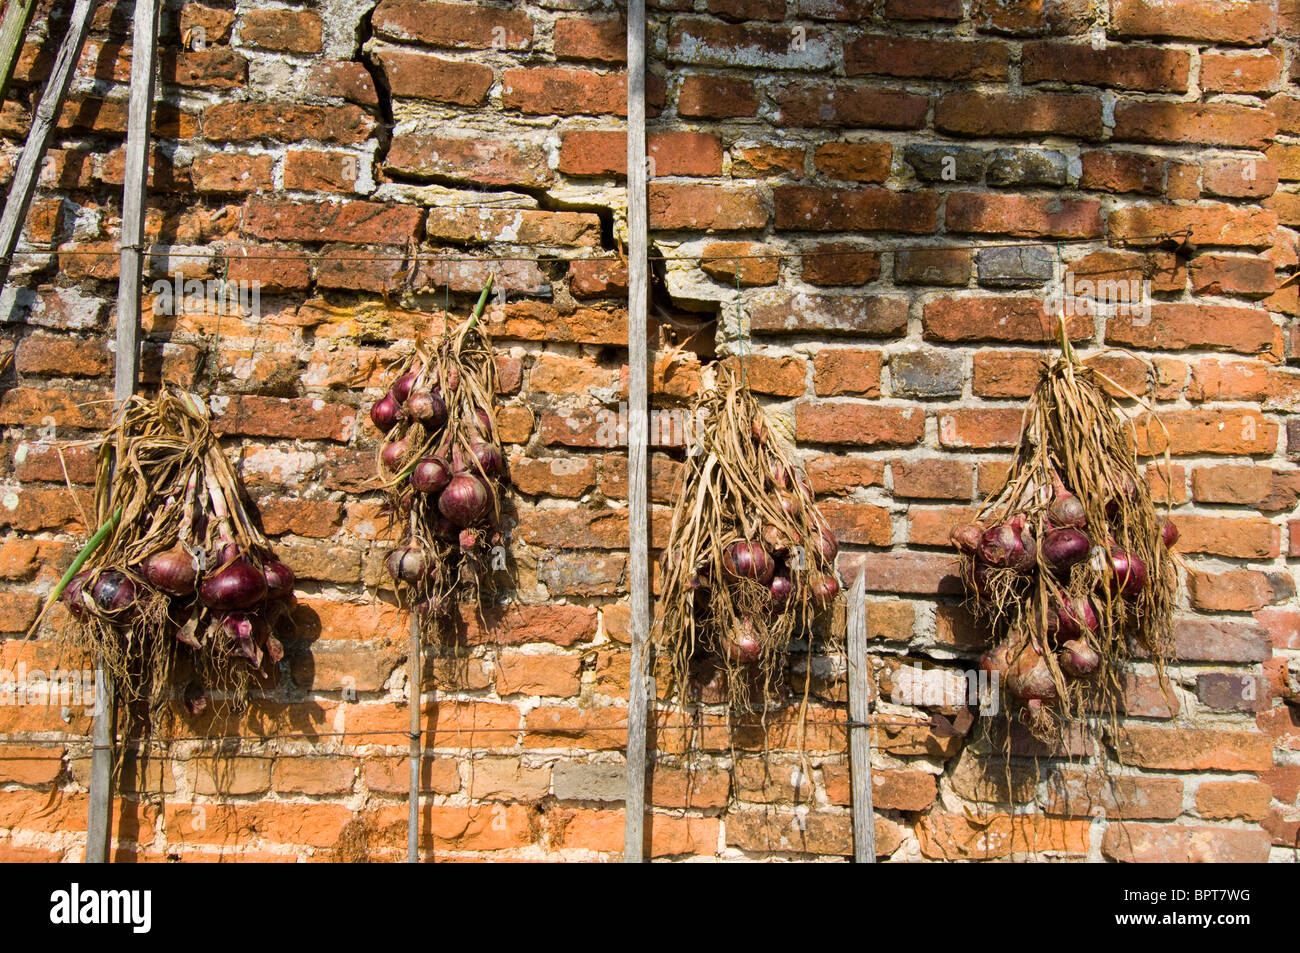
{"points": [[431, 475], [749, 560], [1078, 658], [73, 595], [113, 592], [238, 586], [401, 388], [445, 529], [407, 564], [453, 378], [996, 660], [488, 456], [243, 632], [759, 430], [745, 646], [790, 504], [781, 475], [1130, 573], [1001, 546], [775, 540], [279, 580], [780, 588], [966, 537], [1028, 676], [1067, 510], [1062, 548], [385, 413], [428, 408], [465, 501], [1071, 619], [393, 454], [824, 589], [1168, 532], [172, 571], [482, 422], [827, 543]]}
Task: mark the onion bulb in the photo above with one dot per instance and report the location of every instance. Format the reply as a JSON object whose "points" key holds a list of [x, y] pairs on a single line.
{"points": [[781, 589], [243, 632], [279, 580], [393, 454], [74, 595], [1078, 658], [1071, 619], [238, 586], [430, 475], [1001, 546], [465, 501], [1029, 677], [966, 537], [172, 570], [775, 540], [1067, 510], [401, 388], [827, 544], [113, 592], [385, 413], [1130, 573], [406, 564], [428, 408], [824, 589], [1168, 532], [745, 646], [996, 660], [488, 457], [1064, 547], [749, 560]]}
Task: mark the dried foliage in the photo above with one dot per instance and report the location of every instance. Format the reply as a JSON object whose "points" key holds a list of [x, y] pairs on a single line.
{"points": [[750, 563], [180, 588], [1089, 580]]}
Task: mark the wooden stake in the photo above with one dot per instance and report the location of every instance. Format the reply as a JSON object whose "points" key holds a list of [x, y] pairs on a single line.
{"points": [[414, 681], [13, 28], [134, 189], [47, 114], [638, 373], [864, 819]]}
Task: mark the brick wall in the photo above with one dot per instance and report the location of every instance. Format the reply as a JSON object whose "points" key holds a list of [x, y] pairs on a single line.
{"points": [[861, 139]]}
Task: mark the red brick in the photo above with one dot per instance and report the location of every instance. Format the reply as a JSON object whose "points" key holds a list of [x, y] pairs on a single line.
{"points": [[229, 172], [1251, 21], [1240, 72], [354, 222], [1235, 275], [1026, 114], [706, 42], [1237, 590], [996, 319], [1194, 749], [923, 57], [999, 214], [564, 92], [980, 427], [900, 9], [674, 205], [1242, 431], [1152, 69], [970, 837], [1183, 326], [286, 122], [836, 264], [933, 479], [1119, 172], [604, 153], [342, 79], [596, 277], [476, 159], [1211, 124], [809, 208], [842, 475], [1161, 843], [1209, 224], [453, 25], [716, 97], [746, 267], [602, 41], [858, 524], [862, 425], [849, 106], [213, 68], [290, 31], [847, 371], [422, 76], [519, 673], [854, 162], [525, 227], [1081, 794]]}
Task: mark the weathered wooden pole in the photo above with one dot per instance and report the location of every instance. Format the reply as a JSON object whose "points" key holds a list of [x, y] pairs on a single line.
{"points": [[127, 373], [638, 374], [864, 816], [13, 28], [28, 168]]}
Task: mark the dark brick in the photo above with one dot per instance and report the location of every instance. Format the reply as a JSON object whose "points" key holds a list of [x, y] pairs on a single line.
{"points": [[1028, 167], [1006, 267], [931, 162], [926, 374]]}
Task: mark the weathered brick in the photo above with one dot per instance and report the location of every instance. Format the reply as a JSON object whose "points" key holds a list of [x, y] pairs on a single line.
{"points": [[903, 56], [289, 31], [864, 425], [453, 25], [1153, 69], [1028, 114], [286, 122], [423, 76], [1161, 843]]}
